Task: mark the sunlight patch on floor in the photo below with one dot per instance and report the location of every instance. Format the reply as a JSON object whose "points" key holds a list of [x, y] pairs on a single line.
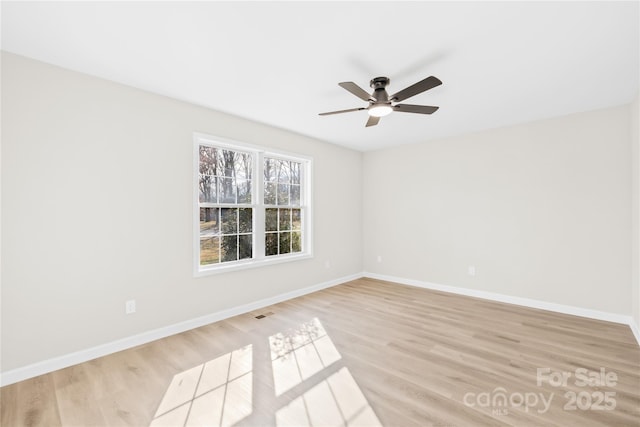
{"points": [[216, 393], [298, 354], [336, 401]]}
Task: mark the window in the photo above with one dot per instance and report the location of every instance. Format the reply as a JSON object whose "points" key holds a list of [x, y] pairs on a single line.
{"points": [[252, 206]]}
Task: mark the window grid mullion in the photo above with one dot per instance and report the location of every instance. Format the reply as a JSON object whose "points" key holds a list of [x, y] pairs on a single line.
{"points": [[259, 235]]}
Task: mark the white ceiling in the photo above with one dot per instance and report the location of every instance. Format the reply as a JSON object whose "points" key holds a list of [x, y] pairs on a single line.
{"points": [[279, 63]]}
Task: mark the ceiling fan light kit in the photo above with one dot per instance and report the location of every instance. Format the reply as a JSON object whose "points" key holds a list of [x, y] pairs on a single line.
{"points": [[381, 104], [380, 110]]}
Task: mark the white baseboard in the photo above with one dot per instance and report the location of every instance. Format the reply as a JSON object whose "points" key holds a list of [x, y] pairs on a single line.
{"points": [[526, 302], [81, 356]]}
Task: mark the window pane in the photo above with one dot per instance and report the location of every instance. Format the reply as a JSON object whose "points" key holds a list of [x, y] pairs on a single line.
{"points": [[296, 243], [228, 162], [284, 171], [244, 191], [271, 220], [283, 194], [285, 243], [229, 248], [269, 193], [269, 170], [208, 189], [208, 160], [277, 165], [209, 222], [209, 250], [245, 220], [271, 244], [296, 221], [295, 173], [285, 219], [243, 166], [245, 250], [227, 190], [295, 195], [229, 219]]}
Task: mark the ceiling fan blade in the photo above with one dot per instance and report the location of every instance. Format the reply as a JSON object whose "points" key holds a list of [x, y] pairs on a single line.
{"points": [[372, 121], [341, 111], [414, 89], [408, 108], [356, 90]]}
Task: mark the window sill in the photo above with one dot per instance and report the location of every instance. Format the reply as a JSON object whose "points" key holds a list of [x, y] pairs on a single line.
{"points": [[246, 265]]}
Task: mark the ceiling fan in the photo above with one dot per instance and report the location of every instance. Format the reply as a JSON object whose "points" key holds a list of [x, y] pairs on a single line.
{"points": [[381, 104]]}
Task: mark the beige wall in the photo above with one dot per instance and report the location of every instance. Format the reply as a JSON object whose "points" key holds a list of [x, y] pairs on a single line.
{"points": [[635, 200], [542, 210], [97, 209]]}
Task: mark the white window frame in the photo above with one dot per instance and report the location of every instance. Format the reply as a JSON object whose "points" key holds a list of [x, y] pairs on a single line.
{"points": [[257, 204]]}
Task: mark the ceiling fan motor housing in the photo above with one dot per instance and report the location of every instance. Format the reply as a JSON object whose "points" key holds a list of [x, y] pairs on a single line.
{"points": [[379, 93]]}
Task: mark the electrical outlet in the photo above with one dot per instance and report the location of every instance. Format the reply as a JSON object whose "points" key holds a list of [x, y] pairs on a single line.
{"points": [[327, 264], [130, 306], [472, 270], [379, 259]]}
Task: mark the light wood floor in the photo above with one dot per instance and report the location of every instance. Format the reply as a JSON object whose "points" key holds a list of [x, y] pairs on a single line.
{"points": [[364, 353]]}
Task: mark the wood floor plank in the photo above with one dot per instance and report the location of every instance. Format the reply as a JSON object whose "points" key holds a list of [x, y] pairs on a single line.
{"points": [[32, 401], [74, 389], [367, 352]]}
